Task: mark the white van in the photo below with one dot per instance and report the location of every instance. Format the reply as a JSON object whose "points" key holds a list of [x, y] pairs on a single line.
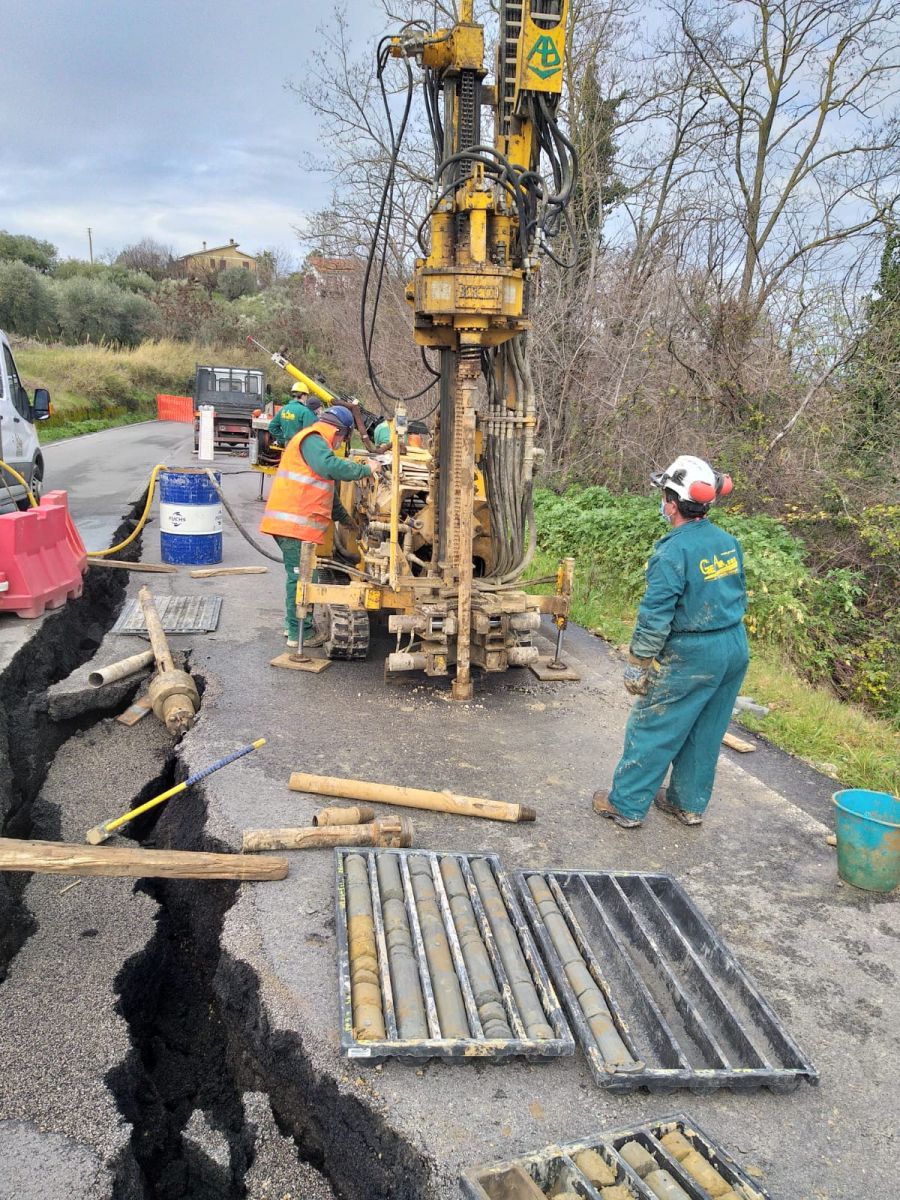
{"points": [[19, 445]]}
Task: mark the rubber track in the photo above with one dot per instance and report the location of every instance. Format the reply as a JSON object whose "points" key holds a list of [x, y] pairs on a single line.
{"points": [[349, 632]]}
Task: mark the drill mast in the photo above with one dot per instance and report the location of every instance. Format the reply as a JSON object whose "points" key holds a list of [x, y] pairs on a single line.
{"points": [[471, 290]]}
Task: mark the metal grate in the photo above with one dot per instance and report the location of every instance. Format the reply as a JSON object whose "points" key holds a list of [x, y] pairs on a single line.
{"points": [[556, 1170], [179, 614], [676, 1006], [443, 941]]}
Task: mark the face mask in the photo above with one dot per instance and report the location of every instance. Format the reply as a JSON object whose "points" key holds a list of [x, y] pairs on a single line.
{"points": [[662, 512]]}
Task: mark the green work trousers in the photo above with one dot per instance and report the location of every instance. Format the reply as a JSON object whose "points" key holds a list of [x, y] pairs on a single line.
{"points": [[681, 722], [290, 552]]}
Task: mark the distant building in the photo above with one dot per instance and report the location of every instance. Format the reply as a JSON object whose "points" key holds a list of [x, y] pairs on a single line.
{"points": [[211, 260], [330, 276]]}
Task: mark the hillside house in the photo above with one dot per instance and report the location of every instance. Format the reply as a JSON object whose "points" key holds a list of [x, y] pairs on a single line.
{"points": [[211, 260]]}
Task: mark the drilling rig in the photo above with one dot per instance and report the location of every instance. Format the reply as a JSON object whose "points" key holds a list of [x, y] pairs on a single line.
{"points": [[444, 542]]}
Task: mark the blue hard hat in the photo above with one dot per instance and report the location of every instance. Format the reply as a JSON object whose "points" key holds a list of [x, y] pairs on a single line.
{"points": [[340, 415]]}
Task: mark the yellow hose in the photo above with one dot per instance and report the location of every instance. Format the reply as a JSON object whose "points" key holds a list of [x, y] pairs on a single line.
{"points": [[20, 479], [151, 488]]}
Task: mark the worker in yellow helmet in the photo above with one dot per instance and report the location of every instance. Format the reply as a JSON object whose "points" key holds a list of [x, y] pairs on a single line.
{"points": [[301, 411]]}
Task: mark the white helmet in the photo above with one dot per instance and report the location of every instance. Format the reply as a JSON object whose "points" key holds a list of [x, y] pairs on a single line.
{"points": [[693, 480]]}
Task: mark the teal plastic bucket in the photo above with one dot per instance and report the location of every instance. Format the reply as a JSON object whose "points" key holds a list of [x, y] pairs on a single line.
{"points": [[867, 825]]}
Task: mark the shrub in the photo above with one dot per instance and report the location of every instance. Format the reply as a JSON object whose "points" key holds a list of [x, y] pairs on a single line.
{"points": [[31, 251], [235, 282], [27, 305], [95, 310]]}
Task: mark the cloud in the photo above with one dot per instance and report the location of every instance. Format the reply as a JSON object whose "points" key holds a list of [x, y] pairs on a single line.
{"points": [[169, 120]]}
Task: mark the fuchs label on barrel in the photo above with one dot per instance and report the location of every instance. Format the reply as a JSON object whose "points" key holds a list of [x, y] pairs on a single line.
{"points": [[190, 519]]}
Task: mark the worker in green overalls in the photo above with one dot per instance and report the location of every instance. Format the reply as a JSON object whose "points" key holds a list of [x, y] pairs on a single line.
{"points": [[299, 413], [690, 623]]}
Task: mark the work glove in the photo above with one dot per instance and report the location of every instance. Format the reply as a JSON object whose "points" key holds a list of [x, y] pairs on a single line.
{"points": [[637, 676]]}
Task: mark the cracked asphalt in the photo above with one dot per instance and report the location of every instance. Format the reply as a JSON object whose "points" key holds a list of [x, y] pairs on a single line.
{"points": [[826, 956]]}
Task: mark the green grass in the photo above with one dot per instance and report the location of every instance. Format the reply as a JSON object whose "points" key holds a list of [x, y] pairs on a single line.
{"points": [[96, 387], [810, 722], [51, 431]]}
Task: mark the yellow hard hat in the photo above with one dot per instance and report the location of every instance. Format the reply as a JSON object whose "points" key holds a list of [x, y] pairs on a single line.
{"points": [[299, 389]]}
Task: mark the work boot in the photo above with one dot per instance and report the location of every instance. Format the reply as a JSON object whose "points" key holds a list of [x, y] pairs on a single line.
{"points": [[661, 801], [317, 639], [603, 808]]}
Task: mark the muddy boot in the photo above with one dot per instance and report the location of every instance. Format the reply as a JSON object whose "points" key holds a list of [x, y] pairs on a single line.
{"points": [[603, 808], [686, 818]]}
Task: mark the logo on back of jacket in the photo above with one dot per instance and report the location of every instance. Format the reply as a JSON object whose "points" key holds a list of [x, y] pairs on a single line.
{"points": [[717, 567]]}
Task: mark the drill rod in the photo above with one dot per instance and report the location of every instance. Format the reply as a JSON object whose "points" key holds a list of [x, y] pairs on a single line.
{"points": [[406, 797]]}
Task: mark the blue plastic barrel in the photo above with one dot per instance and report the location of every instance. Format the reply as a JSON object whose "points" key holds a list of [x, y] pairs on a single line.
{"points": [[190, 518], [867, 826]]}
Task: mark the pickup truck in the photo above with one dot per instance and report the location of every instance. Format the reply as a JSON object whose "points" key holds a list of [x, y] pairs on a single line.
{"points": [[19, 445], [235, 393]]}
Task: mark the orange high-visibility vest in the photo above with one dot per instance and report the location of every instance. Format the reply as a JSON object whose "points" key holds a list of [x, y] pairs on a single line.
{"points": [[300, 502]]}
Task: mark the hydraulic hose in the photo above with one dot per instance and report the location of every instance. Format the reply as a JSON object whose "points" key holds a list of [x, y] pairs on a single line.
{"points": [[240, 528], [20, 479], [151, 488]]}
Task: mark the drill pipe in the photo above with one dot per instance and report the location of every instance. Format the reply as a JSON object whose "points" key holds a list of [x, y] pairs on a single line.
{"points": [[360, 815], [523, 990], [665, 1186], [590, 999], [409, 1005], [405, 797], [365, 986], [484, 986], [387, 831], [448, 999]]}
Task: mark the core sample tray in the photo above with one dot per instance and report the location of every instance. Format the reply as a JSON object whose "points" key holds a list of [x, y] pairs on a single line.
{"points": [[655, 997], [668, 1159], [436, 959]]}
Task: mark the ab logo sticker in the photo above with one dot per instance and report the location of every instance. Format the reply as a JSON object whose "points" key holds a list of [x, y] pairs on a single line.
{"points": [[550, 61]]}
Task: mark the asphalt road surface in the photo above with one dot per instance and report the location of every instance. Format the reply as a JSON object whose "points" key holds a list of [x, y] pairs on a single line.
{"points": [[103, 471]]}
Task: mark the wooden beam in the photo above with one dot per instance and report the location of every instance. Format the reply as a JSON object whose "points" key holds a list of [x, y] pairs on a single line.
{"points": [[64, 858]]}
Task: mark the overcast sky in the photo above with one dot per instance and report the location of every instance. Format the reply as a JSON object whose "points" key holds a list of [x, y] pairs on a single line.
{"points": [[167, 119]]}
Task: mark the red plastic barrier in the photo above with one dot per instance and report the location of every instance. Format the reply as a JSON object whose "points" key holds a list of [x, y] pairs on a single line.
{"points": [[175, 408], [42, 558]]}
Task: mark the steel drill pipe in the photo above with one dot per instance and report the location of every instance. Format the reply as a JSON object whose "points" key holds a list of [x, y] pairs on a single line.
{"points": [[393, 832], [365, 986], [121, 669], [358, 815], [491, 1012], [172, 692], [406, 797], [590, 999], [448, 999], [510, 951], [409, 1005]]}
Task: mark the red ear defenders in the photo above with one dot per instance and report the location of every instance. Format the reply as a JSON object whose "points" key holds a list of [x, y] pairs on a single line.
{"points": [[724, 484], [702, 493]]}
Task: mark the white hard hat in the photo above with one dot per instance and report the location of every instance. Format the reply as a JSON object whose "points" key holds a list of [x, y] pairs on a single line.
{"points": [[693, 480]]}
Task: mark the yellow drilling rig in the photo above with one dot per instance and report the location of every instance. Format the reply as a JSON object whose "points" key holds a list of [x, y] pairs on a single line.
{"points": [[445, 538]]}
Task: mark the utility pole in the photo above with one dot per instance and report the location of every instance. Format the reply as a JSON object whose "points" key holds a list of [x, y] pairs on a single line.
{"points": [[90, 246]]}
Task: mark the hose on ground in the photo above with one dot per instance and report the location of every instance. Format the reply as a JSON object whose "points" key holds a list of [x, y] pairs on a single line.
{"points": [[19, 479], [248, 537]]}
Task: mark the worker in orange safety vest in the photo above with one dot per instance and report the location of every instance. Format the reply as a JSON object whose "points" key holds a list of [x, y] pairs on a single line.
{"points": [[303, 502]]}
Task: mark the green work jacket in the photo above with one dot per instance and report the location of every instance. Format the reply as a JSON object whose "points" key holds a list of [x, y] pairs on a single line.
{"points": [[323, 460], [695, 584], [291, 418]]}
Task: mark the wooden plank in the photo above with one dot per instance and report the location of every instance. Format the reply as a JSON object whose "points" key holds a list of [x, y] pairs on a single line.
{"points": [[736, 743], [135, 712], [65, 858], [149, 568], [208, 572]]}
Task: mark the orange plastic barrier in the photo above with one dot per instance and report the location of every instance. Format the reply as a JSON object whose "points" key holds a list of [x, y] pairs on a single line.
{"points": [[175, 408], [43, 558]]}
